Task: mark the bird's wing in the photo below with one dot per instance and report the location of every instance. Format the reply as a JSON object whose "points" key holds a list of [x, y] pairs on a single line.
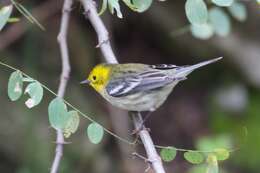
{"points": [[144, 81], [163, 66]]}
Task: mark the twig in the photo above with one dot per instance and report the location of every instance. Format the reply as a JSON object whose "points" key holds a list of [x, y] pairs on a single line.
{"points": [[104, 44], [62, 40]]}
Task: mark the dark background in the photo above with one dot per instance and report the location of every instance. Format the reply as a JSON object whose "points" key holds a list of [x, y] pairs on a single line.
{"points": [[220, 102]]}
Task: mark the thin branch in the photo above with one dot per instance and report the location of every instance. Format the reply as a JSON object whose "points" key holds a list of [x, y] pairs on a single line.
{"points": [[104, 44], [62, 40]]}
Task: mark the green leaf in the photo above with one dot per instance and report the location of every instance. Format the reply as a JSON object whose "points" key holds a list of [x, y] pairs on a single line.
{"points": [[221, 153], [220, 21], [204, 31], [72, 124], [15, 85], [168, 154], [196, 11], [58, 115], [142, 5], [95, 133], [223, 3], [212, 164], [5, 13], [193, 157], [103, 8], [114, 4], [238, 11], [35, 91]]}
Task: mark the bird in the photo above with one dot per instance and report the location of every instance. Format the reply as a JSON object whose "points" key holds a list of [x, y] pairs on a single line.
{"points": [[138, 87]]}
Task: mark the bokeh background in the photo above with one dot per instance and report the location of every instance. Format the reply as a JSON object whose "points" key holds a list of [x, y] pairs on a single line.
{"points": [[217, 104]]}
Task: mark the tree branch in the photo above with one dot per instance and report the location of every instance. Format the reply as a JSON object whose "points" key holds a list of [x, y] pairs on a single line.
{"points": [[62, 40], [104, 44]]}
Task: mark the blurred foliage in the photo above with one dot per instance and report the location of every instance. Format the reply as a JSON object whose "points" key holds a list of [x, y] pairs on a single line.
{"points": [[244, 129]]}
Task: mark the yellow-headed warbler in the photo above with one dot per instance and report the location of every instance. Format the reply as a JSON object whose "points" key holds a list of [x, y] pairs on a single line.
{"points": [[138, 87]]}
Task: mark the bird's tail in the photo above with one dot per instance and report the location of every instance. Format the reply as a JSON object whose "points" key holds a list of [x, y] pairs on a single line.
{"points": [[185, 70]]}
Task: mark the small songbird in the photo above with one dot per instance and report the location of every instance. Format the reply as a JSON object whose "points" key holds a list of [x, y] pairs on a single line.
{"points": [[138, 87]]}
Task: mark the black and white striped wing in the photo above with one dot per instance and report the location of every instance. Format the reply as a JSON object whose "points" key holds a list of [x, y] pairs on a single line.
{"points": [[145, 81], [121, 86]]}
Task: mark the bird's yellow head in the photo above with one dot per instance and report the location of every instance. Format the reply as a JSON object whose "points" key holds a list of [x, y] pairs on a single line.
{"points": [[99, 77]]}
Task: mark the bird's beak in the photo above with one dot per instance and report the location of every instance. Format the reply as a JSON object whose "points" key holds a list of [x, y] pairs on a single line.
{"points": [[85, 81]]}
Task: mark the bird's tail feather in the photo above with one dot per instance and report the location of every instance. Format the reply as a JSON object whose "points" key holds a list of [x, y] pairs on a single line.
{"points": [[184, 71]]}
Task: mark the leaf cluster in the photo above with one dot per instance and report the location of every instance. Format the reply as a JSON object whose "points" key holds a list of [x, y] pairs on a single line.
{"points": [[213, 19], [59, 116]]}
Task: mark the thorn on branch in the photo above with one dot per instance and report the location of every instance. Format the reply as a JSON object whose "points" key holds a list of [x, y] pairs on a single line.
{"points": [[102, 42]]}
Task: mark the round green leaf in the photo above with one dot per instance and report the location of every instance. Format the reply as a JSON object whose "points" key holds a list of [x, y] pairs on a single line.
{"points": [[223, 3], [142, 5], [35, 91], [238, 11], [95, 133], [168, 154], [204, 31], [221, 153], [196, 11], [193, 157], [220, 21], [5, 13], [58, 115], [72, 124], [15, 85]]}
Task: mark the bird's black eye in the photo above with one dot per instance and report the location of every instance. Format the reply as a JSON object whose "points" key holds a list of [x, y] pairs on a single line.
{"points": [[94, 77]]}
